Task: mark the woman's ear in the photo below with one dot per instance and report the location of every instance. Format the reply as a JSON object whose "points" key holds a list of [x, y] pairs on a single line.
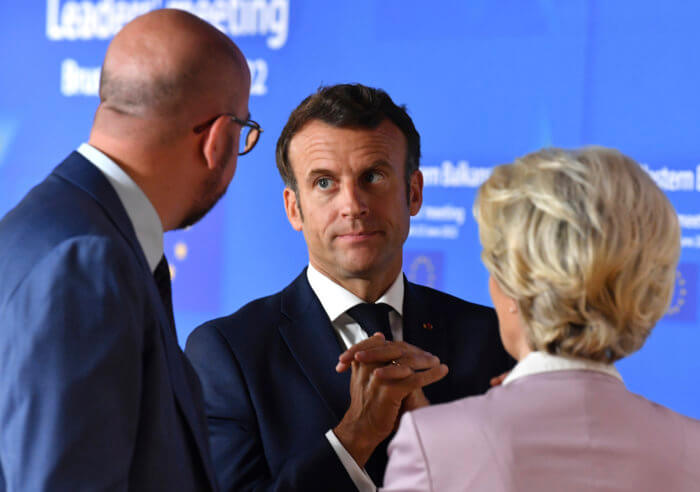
{"points": [[512, 306]]}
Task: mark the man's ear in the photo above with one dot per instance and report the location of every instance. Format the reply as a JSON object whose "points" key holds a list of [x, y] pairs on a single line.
{"points": [[218, 143], [292, 208], [415, 197]]}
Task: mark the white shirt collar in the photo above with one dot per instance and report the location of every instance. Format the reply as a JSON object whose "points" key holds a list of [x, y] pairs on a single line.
{"points": [[143, 216], [336, 299], [540, 362]]}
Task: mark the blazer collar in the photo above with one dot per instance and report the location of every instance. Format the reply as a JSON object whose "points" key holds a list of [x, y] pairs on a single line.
{"points": [[311, 339], [77, 170], [142, 215], [540, 362]]}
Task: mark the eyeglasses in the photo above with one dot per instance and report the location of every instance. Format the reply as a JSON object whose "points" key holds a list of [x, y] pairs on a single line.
{"points": [[252, 135]]}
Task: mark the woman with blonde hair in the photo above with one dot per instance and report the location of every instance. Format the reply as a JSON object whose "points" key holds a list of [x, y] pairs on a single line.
{"points": [[581, 247]]}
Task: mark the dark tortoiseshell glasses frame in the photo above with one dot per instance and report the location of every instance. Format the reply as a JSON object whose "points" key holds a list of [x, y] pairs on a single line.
{"points": [[252, 136]]}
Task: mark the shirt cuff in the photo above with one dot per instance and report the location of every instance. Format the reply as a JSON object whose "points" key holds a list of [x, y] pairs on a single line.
{"points": [[358, 476]]}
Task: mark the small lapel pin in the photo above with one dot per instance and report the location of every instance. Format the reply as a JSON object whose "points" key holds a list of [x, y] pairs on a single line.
{"points": [[427, 326]]}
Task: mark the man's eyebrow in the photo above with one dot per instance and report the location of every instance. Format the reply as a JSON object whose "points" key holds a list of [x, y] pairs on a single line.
{"points": [[319, 171], [323, 171], [379, 163]]}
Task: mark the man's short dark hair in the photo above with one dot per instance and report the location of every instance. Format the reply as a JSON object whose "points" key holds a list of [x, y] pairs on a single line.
{"points": [[348, 106]]}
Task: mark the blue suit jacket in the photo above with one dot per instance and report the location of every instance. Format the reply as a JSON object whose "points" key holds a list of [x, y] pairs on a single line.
{"points": [[271, 390], [95, 393]]}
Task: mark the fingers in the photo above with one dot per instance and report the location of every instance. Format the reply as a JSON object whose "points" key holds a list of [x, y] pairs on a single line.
{"points": [[416, 380], [496, 381], [391, 371], [415, 399], [404, 352], [431, 376], [396, 389], [404, 366], [373, 341], [348, 356], [377, 351], [384, 353]]}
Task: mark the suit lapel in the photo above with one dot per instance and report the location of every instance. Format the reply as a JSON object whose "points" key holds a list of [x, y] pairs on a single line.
{"points": [[422, 328], [83, 174], [313, 343]]}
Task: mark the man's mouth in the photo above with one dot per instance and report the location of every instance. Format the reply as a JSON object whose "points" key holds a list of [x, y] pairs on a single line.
{"points": [[357, 236]]}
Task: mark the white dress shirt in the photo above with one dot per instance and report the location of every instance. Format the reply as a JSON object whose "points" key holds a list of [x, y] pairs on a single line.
{"points": [[143, 216], [336, 301], [539, 362]]}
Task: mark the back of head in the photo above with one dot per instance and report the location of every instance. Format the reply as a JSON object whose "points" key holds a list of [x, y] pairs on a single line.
{"points": [[586, 243], [347, 106], [165, 70]]}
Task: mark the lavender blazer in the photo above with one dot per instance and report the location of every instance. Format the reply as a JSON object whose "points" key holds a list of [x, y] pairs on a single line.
{"points": [[575, 430]]}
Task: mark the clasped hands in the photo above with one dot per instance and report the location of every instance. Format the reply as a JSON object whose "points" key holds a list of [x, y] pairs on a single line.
{"points": [[387, 379]]}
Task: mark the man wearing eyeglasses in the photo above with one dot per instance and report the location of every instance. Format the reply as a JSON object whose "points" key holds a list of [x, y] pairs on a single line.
{"points": [[95, 392], [284, 411]]}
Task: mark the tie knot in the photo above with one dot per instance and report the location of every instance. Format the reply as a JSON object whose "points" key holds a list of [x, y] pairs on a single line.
{"points": [[372, 317]]}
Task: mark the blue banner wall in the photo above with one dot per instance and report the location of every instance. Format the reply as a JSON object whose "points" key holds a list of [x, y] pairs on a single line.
{"points": [[484, 81]]}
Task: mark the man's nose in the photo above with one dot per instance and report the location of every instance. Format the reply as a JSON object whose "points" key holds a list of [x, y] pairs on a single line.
{"points": [[354, 200]]}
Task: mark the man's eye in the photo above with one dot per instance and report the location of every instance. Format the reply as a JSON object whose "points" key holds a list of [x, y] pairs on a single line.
{"points": [[373, 177], [324, 183]]}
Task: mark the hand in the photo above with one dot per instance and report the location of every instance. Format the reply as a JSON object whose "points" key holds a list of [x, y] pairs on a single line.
{"points": [[348, 356], [379, 389], [415, 400], [496, 381], [376, 350]]}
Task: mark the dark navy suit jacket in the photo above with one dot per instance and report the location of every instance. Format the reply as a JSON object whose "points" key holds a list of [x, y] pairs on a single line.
{"points": [[95, 393], [271, 390]]}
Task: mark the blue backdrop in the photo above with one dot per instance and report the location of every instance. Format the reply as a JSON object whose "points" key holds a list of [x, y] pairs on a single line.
{"points": [[484, 81]]}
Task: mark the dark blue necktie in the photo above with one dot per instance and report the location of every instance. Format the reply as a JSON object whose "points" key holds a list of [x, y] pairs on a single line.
{"points": [[372, 318], [162, 277]]}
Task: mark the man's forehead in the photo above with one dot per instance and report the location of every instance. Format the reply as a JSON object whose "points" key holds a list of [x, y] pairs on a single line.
{"points": [[318, 139]]}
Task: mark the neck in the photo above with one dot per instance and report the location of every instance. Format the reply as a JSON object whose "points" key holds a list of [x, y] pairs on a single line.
{"points": [[369, 289], [522, 346], [145, 167], [522, 353]]}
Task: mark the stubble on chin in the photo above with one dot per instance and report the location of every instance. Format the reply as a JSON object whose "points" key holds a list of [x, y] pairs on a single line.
{"points": [[209, 197]]}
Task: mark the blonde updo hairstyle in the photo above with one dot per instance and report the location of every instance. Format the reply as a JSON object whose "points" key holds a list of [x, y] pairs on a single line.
{"points": [[586, 244]]}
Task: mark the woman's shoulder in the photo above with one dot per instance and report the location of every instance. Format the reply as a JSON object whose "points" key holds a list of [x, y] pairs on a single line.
{"points": [[465, 410]]}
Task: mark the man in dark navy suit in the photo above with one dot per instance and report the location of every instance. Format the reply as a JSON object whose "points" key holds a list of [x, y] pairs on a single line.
{"points": [[95, 393], [284, 411]]}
